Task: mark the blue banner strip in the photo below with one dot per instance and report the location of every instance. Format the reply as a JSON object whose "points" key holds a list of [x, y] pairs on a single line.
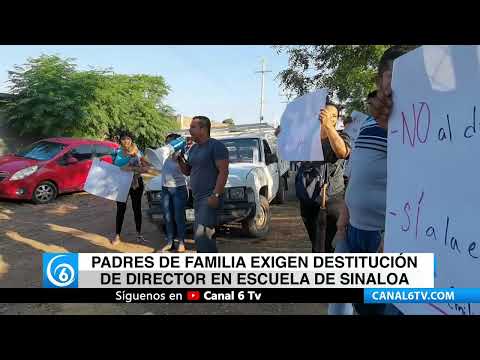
{"points": [[427, 295]]}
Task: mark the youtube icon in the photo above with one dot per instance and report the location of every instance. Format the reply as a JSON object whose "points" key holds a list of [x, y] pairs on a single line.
{"points": [[193, 295]]}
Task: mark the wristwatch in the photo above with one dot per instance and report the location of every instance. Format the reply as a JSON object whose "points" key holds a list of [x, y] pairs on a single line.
{"points": [[217, 195]]}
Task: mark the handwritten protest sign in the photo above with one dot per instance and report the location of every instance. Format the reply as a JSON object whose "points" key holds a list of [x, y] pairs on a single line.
{"points": [[299, 139], [108, 181], [433, 196]]}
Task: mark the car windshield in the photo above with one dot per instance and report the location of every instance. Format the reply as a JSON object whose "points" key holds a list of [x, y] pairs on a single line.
{"points": [[41, 151], [242, 150]]}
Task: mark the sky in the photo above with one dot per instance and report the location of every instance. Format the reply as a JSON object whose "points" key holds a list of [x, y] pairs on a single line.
{"points": [[218, 81]]}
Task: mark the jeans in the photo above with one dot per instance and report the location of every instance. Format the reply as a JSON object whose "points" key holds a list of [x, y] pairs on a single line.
{"points": [[174, 201], [361, 241], [315, 223], [136, 196], [205, 222]]}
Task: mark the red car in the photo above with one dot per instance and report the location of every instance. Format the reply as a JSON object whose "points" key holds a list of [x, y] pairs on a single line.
{"points": [[50, 167]]}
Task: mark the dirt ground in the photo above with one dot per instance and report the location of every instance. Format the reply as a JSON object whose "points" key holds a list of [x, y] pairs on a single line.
{"points": [[84, 223]]}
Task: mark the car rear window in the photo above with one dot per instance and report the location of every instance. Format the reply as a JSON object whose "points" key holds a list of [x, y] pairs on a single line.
{"points": [[82, 152], [102, 150], [241, 150]]}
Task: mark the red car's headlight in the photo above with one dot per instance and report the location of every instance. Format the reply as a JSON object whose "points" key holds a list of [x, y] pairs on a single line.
{"points": [[22, 174]]}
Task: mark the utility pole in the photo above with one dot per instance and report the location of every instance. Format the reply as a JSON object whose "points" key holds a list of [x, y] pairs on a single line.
{"points": [[263, 71]]}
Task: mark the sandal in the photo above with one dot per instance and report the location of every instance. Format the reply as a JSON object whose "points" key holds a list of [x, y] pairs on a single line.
{"points": [[116, 240], [167, 247], [181, 248]]}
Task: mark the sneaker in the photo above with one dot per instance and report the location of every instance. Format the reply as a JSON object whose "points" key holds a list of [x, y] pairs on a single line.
{"points": [[181, 247], [167, 247]]}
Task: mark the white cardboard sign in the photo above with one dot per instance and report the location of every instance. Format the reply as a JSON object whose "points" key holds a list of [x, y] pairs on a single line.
{"points": [[433, 193], [299, 139], [108, 181]]}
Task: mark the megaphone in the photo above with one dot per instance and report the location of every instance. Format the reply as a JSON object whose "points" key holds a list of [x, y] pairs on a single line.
{"points": [[157, 157]]}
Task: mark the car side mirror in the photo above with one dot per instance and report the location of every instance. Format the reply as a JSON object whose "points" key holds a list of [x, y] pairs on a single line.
{"points": [[106, 158], [71, 160]]}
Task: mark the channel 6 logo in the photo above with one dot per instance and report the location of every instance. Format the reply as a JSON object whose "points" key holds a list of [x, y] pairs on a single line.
{"points": [[60, 270]]}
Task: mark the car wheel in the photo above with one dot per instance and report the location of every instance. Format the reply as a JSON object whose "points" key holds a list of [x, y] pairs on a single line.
{"points": [[44, 193], [258, 226]]}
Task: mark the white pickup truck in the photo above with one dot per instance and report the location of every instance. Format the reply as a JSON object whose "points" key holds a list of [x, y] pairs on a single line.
{"points": [[256, 178]]}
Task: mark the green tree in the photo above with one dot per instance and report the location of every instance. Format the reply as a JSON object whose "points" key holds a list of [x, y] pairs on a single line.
{"points": [[348, 71], [51, 97], [135, 103], [48, 98], [229, 122]]}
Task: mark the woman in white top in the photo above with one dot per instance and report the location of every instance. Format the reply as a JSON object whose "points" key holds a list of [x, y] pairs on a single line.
{"points": [[174, 200]]}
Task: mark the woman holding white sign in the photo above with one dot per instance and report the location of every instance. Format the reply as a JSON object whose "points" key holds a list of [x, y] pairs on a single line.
{"points": [[129, 158]]}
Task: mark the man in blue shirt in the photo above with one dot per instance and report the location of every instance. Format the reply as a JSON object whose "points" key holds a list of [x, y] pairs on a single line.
{"points": [[207, 167]]}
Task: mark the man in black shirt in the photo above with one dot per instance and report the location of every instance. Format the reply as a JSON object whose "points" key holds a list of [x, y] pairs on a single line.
{"points": [[336, 147]]}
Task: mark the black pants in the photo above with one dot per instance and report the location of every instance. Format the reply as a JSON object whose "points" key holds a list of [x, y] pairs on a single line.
{"points": [[136, 196], [315, 223]]}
